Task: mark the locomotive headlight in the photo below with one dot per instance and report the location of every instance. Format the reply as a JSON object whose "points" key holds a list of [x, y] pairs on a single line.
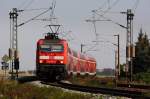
{"points": [[59, 57], [41, 61], [44, 57], [61, 62]]}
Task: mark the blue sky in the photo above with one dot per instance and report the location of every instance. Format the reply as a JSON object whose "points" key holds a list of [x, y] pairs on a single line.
{"points": [[72, 15]]}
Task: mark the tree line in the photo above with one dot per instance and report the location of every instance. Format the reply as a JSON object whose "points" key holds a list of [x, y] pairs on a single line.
{"points": [[141, 62]]}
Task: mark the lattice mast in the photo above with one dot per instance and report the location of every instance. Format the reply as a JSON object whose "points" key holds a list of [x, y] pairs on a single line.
{"points": [[129, 44], [13, 51]]}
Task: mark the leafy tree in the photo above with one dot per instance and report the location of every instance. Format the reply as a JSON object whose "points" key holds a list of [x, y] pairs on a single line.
{"points": [[122, 70]]}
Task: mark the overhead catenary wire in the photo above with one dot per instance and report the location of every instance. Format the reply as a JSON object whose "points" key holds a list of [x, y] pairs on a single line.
{"points": [[34, 17], [109, 8], [111, 12], [111, 20], [68, 35], [52, 19], [34, 9], [53, 8], [73, 36], [102, 6], [108, 3], [104, 12], [94, 19], [28, 4], [25, 4], [22, 4], [135, 5], [52, 15], [122, 50], [114, 12]]}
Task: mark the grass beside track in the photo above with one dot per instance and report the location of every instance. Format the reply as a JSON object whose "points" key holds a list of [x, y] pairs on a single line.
{"points": [[13, 90], [93, 81], [107, 82]]}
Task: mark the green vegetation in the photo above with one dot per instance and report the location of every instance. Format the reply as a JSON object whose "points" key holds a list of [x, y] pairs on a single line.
{"points": [[142, 77], [93, 81], [106, 72], [13, 90], [141, 62]]}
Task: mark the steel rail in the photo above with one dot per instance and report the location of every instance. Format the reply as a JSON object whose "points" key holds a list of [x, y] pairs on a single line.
{"points": [[134, 86], [103, 90]]}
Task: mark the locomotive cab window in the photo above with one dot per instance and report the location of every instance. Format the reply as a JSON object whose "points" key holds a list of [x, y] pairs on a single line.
{"points": [[52, 48]]}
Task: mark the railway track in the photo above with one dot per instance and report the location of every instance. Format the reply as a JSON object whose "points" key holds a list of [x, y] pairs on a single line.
{"points": [[136, 94], [134, 86], [25, 79]]}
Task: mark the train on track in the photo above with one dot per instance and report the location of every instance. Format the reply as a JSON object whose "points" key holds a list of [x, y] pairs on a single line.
{"points": [[55, 60]]}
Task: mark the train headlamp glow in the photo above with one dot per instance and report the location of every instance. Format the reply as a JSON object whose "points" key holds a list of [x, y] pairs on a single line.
{"points": [[41, 61], [59, 57], [61, 62], [44, 57]]}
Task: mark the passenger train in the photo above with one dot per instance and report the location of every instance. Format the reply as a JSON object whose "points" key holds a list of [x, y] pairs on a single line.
{"points": [[55, 60]]}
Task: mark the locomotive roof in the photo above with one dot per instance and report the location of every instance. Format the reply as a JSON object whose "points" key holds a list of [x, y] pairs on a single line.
{"points": [[54, 39], [51, 41]]}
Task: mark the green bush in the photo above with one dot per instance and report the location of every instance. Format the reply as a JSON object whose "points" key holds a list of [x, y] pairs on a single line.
{"points": [[145, 77]]}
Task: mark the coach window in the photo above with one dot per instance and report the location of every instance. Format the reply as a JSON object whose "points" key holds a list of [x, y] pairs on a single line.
{"points": [[69, 50], [74, 53], [82, 56]]}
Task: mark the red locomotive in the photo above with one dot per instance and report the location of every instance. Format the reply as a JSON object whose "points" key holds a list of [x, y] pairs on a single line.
{"points": [[55, 60]]}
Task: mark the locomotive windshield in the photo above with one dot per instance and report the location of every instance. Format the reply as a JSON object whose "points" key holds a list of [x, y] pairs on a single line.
{"points": [[52, 48]]}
